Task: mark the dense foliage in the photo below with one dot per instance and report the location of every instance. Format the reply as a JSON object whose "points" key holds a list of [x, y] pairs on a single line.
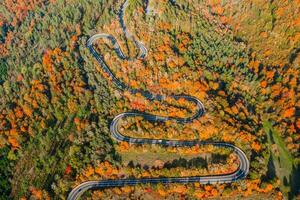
{"points": [[56, 103]]}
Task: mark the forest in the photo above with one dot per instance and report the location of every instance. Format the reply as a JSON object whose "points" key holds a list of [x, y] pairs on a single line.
{"points": [[241, 60]]}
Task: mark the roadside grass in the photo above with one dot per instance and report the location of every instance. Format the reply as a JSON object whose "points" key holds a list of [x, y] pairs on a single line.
{"points": [[283, 160]]}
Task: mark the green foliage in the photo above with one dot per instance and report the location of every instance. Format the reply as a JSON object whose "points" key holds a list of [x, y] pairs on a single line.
{"points": [[68, 126], [45, 156], [5, 174], [3, 71]]}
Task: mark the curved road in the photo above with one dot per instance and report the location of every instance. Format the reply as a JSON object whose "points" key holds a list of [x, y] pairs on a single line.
{"points": [[240, 173]]}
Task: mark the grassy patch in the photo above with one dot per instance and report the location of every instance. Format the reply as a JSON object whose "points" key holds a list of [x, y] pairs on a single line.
{"points": [[283, 160], [148, 158], [149, 155]]}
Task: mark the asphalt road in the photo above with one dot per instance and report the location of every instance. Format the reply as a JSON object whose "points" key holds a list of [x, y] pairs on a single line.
{"points": [[240, 173]]}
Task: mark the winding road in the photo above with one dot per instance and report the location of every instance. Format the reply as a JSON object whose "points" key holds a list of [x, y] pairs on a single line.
{"points": [[240, 173]]}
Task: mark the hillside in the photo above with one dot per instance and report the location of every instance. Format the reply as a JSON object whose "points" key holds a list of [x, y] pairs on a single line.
{"points": [[241, 60]]}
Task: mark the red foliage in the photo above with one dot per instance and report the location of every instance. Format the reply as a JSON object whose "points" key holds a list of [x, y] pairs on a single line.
{"points": [[68, 170]]}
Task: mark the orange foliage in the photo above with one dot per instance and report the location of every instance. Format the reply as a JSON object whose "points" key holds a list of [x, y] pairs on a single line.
{"points": [[264, 34], [234, 110], [276, 90], [13, 132], [208, 188], [215, 86], [270, 74], [219, 9], [27, 110], [126, 189], [137, 105], [289, 112], [123, 146], [268, 188], [117, 191], [214, 192], [89, 171], [37, 194], [298, 123], [162, 193], [199, 194], [19, 113], [263, 84], [254, 65], [13, 142], [19, 78], [76, 120], [20, 8], [256, 146], [267, 53], [280, 11], [99, 170], [181, 189]]}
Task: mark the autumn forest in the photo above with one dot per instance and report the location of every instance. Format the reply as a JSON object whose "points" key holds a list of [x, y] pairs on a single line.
{"points": [[240, 59]]}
